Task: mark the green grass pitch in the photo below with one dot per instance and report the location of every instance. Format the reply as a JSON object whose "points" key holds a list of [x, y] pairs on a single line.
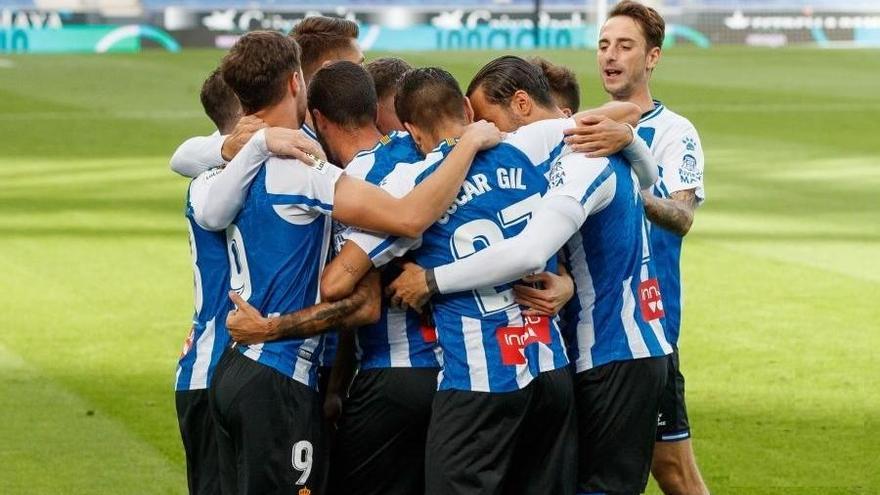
{"points": [[782, 321]]}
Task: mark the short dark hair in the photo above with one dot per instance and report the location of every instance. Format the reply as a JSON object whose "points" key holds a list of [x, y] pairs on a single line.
{"points": [[319, 35], [506, 75], [258, 67], [649, 20], [563, 82], [427, 95], [343, 92], [386, 73], [220, 103]]}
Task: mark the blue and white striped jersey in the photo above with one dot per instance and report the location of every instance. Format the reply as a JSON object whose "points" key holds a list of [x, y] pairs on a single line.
{"points": [[615, 314], [675, 144], [398, 339], [487, 345], [277, 248], [208, 337]]}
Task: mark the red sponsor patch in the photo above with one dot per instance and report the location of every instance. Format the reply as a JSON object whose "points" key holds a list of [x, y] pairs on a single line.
{"points": [[188, 343], [512, 340], [429, 334], [650, 301]]}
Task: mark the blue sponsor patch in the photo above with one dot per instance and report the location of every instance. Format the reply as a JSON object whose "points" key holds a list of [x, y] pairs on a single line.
{"points": [[557, 174], [689, 173]]}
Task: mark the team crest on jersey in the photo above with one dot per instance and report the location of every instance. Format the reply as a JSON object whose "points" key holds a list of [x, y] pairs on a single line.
{"points": [[557, 174], [689, 172], [304, 491], [689, 143]]}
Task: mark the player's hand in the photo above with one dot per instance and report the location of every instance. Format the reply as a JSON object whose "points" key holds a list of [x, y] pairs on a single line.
{"points": [[482, 134], [558, 290], [293, 143], [598, 136], [332, 407], [410, 289], [245, 324], [246, 127]]}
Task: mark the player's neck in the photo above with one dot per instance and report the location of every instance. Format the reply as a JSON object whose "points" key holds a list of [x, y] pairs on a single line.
{"points": [[641, 96], [449, 129], [280, 115], [353, 142]]}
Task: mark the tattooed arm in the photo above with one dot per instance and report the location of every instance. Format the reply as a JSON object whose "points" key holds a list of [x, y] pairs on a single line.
{"points": [[247, 326], [675, 214]]}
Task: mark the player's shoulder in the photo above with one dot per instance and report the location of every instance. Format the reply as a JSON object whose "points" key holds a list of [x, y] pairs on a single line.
{"points": [[361, 165], [668, 118], [284, 175]]}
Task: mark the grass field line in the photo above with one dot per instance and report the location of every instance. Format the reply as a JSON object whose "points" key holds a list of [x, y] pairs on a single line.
{"points": [[50, 429]]}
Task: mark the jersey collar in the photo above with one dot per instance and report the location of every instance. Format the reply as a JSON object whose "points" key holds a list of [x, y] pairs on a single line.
{"points": [[650, 114]]}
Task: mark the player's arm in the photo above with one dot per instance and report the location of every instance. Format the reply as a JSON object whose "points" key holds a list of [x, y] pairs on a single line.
{"points": [[198, 154], [683, 163], [341, 375], [229, 189], [675, 214], [589, 188], [247, 326], [622, 112], [364, 205]]}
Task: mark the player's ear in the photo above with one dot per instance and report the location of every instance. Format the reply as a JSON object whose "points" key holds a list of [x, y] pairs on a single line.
{"points": [[468, 110], [521, 103], [293, 84], [319, 119], [653, 58], [566, 111]]}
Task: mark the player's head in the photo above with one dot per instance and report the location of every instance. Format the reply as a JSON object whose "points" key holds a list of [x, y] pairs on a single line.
{"points": [[342, 101], [629, 48], [324, 39], [386, 73], [564, 87], [511, 92], [220, 103], [429, 100], [263, 70]]}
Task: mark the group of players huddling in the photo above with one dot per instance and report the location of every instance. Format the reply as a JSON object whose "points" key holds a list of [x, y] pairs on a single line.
{"points": [[401, 288]]}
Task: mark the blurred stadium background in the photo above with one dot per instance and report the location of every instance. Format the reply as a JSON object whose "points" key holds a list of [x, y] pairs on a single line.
{"points": [[780, 332]]}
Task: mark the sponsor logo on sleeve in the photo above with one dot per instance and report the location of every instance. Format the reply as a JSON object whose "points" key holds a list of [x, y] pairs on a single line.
{"points": [[689, 172], [557, 174], [689, 143]]}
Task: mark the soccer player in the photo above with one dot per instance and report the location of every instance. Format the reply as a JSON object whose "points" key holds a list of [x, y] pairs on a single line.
{"points": [[208, 336], [263, 397], [386, 72], [564, 87], [629, 51], [616, 342]]}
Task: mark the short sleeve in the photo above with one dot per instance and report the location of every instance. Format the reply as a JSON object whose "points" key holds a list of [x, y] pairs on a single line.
{"points": [[308, 187], [542, 140], [589, 181], [682, 161]]}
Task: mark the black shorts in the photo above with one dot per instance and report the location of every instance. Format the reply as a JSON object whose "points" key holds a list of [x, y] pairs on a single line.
{"points": [[270, 435], [672, 421], [199, 441], [617, 407], [380, 440], [520, 442]]}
